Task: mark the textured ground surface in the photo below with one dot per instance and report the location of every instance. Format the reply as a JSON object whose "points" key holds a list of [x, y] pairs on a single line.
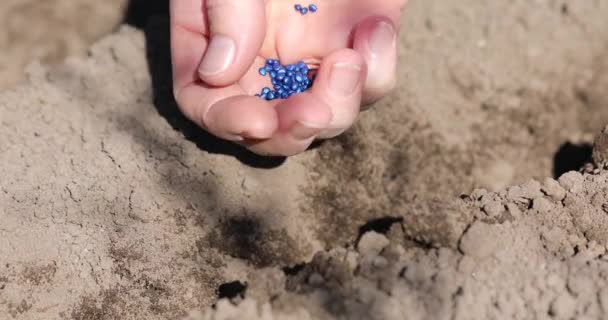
{"points": [[49, 30], [113, 206]]}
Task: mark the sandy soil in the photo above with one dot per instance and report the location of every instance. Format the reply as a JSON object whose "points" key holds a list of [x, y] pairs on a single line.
{"points": [[114, 206], [50, 30]]}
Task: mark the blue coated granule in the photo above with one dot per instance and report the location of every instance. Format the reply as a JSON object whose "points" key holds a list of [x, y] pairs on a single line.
{"points": [[304, 10], [286, 80]]}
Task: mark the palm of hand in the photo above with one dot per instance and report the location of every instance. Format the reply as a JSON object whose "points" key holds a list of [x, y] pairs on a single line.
{"points": [[350, 41]]}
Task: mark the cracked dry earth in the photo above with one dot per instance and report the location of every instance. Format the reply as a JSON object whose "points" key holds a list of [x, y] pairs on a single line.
{"points": [[113, 206]]}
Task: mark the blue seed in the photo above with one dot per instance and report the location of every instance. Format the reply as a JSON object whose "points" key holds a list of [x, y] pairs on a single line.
{"points": [[312, 8], [265, 90], [299, 78], [304, 11], [270, 96], [263, 71], [298, 7]]}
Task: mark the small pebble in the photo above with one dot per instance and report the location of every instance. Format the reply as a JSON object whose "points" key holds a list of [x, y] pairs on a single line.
{"points": [[494, 209], [372, 243], [553, 189], [315, 279]]}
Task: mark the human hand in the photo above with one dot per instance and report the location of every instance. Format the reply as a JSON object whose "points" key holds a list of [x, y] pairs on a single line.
{"points": [[219, 45]]}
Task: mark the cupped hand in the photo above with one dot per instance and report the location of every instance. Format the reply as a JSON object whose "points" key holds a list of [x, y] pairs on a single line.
{"points": [[218, 47]]}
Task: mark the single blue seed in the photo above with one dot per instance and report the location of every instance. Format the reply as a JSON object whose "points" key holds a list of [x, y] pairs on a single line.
{"points": [[299, 78], [273, 74], [312, 8], [304, 11], [263, 71], [298, 7], [282, 71], [265, 90], [271, 95]]}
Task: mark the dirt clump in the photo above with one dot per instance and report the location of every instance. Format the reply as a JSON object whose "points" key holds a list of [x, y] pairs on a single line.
{"points": [[517, 268]]}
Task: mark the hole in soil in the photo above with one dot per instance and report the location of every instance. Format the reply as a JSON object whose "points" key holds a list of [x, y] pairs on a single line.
{"points": [[292, 271], [380, 225], [571, 157], [232, 290]]}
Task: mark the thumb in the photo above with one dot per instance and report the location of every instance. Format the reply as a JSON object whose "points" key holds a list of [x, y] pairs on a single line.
{"points": [[237, 30]]}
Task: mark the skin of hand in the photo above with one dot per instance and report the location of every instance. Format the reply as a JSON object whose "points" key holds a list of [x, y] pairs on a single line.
{"points": [[218, 46]]}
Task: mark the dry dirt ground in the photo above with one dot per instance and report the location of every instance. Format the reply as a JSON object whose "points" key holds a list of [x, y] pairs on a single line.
{"points": [[113, 206]]}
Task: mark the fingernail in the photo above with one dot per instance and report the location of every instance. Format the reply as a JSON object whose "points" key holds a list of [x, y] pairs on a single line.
{"points": [[344, 78], [219, 56], [383, 39], [305, 130], [234, 137]]}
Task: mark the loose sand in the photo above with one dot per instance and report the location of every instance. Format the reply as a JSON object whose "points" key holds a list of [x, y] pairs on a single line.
{"points": [[113, 206]]}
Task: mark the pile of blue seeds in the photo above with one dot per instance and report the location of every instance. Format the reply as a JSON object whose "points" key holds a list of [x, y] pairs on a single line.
{"points": [[290, 79], [286, 80]]}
